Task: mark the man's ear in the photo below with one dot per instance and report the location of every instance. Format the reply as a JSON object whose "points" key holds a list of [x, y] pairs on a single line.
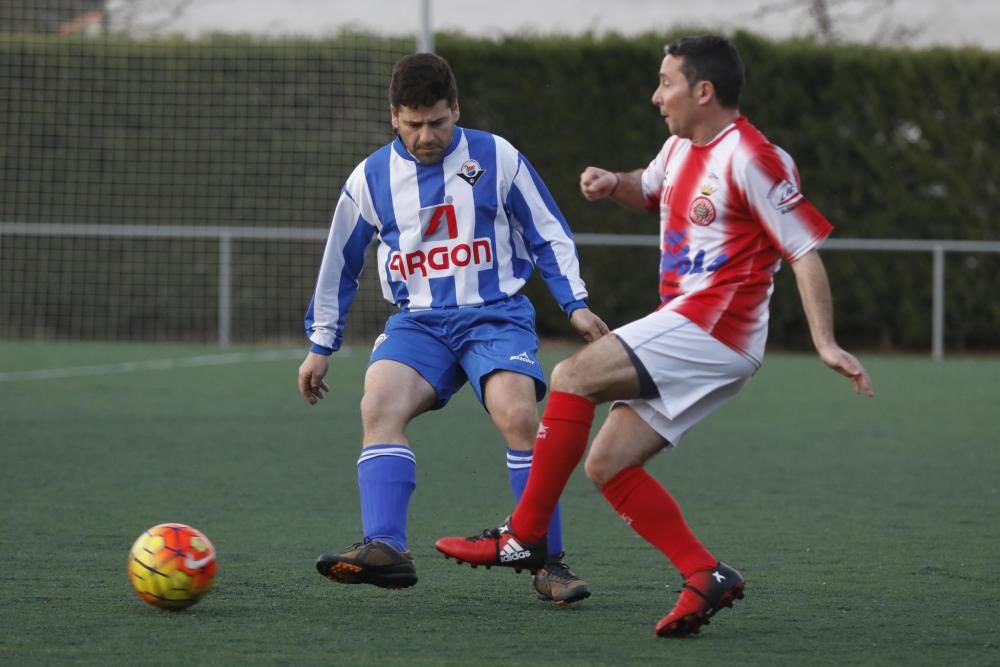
{"points": [[704, 92], [456, 111], [394, 115]]}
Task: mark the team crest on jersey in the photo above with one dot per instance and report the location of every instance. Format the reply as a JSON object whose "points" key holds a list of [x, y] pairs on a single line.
{"points": [[470, 171], [702, 211]]}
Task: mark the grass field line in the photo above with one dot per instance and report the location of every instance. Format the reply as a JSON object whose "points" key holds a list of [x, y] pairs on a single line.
{"points": [[197, 361]]}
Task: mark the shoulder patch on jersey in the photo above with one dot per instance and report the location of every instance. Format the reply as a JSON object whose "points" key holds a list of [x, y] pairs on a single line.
{"points": [[470, 171], [784, 196]]}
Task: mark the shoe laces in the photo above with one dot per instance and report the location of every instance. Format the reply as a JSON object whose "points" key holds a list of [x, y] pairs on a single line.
{"points": [[559, 570], [488, 534], [358, 545]]}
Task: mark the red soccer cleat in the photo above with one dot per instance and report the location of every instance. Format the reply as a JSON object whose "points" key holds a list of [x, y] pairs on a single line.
{"points": [[702, 596], [495, 546]]}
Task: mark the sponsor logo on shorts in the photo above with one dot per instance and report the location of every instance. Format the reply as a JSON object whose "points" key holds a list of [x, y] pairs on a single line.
{"points": [[522, 357], [378, 341]]}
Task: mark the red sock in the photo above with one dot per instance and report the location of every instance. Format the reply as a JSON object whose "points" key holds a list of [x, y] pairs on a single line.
{"points": [[653, 513], [562, 440]]}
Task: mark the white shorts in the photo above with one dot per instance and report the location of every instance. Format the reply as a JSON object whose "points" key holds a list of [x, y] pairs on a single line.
{"points": [[694, 373]]}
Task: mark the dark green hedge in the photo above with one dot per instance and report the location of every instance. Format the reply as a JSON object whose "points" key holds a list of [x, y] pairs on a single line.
{"points": [[890, 143]]}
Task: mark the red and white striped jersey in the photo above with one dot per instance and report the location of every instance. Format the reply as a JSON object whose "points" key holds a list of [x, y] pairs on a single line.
{"points": [[729, 212]]}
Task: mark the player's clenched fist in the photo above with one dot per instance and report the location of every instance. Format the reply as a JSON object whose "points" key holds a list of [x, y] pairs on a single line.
{"points": [[597, 183]]}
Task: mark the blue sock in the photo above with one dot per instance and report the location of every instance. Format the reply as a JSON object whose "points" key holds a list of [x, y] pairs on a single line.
{"points": [[387, 475], [518, 467]]}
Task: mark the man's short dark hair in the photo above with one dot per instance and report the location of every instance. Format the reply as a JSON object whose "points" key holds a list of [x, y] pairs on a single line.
{"points": [[422, 80], [714, 59]]}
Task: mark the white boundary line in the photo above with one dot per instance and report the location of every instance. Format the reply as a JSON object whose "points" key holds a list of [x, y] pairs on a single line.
{"points": [[226, 359]]}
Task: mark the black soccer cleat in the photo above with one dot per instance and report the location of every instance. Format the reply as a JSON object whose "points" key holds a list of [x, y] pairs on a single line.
{"points": [[375, 563]]}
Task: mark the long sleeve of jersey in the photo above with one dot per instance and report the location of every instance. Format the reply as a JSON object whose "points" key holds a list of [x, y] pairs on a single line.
{"points": [[547, 236], [343, 261]]}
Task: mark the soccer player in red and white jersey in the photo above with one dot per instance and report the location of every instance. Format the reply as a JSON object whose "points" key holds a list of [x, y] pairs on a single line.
{"points": [[731, 210]]}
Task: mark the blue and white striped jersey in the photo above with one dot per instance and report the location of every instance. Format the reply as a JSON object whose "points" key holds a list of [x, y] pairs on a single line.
{"points": [[466, 231]]}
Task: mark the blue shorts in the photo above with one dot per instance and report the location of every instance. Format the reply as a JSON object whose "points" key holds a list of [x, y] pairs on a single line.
{"points": [[449, 346]]}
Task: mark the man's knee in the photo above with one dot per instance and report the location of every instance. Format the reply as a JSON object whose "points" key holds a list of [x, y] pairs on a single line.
{"points": [[566, 377], [613, 452], [516, 418], [379, 413], [601, 468]]}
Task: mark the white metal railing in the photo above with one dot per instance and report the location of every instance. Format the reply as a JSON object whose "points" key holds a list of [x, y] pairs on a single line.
{"points": [[226, 235]]}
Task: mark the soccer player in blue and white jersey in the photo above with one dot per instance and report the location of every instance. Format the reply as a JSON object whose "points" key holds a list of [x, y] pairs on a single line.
{"points": [[462, 220]]}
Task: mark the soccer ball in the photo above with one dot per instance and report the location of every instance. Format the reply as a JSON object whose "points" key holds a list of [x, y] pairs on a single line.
{"points": [[172, 566]]}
